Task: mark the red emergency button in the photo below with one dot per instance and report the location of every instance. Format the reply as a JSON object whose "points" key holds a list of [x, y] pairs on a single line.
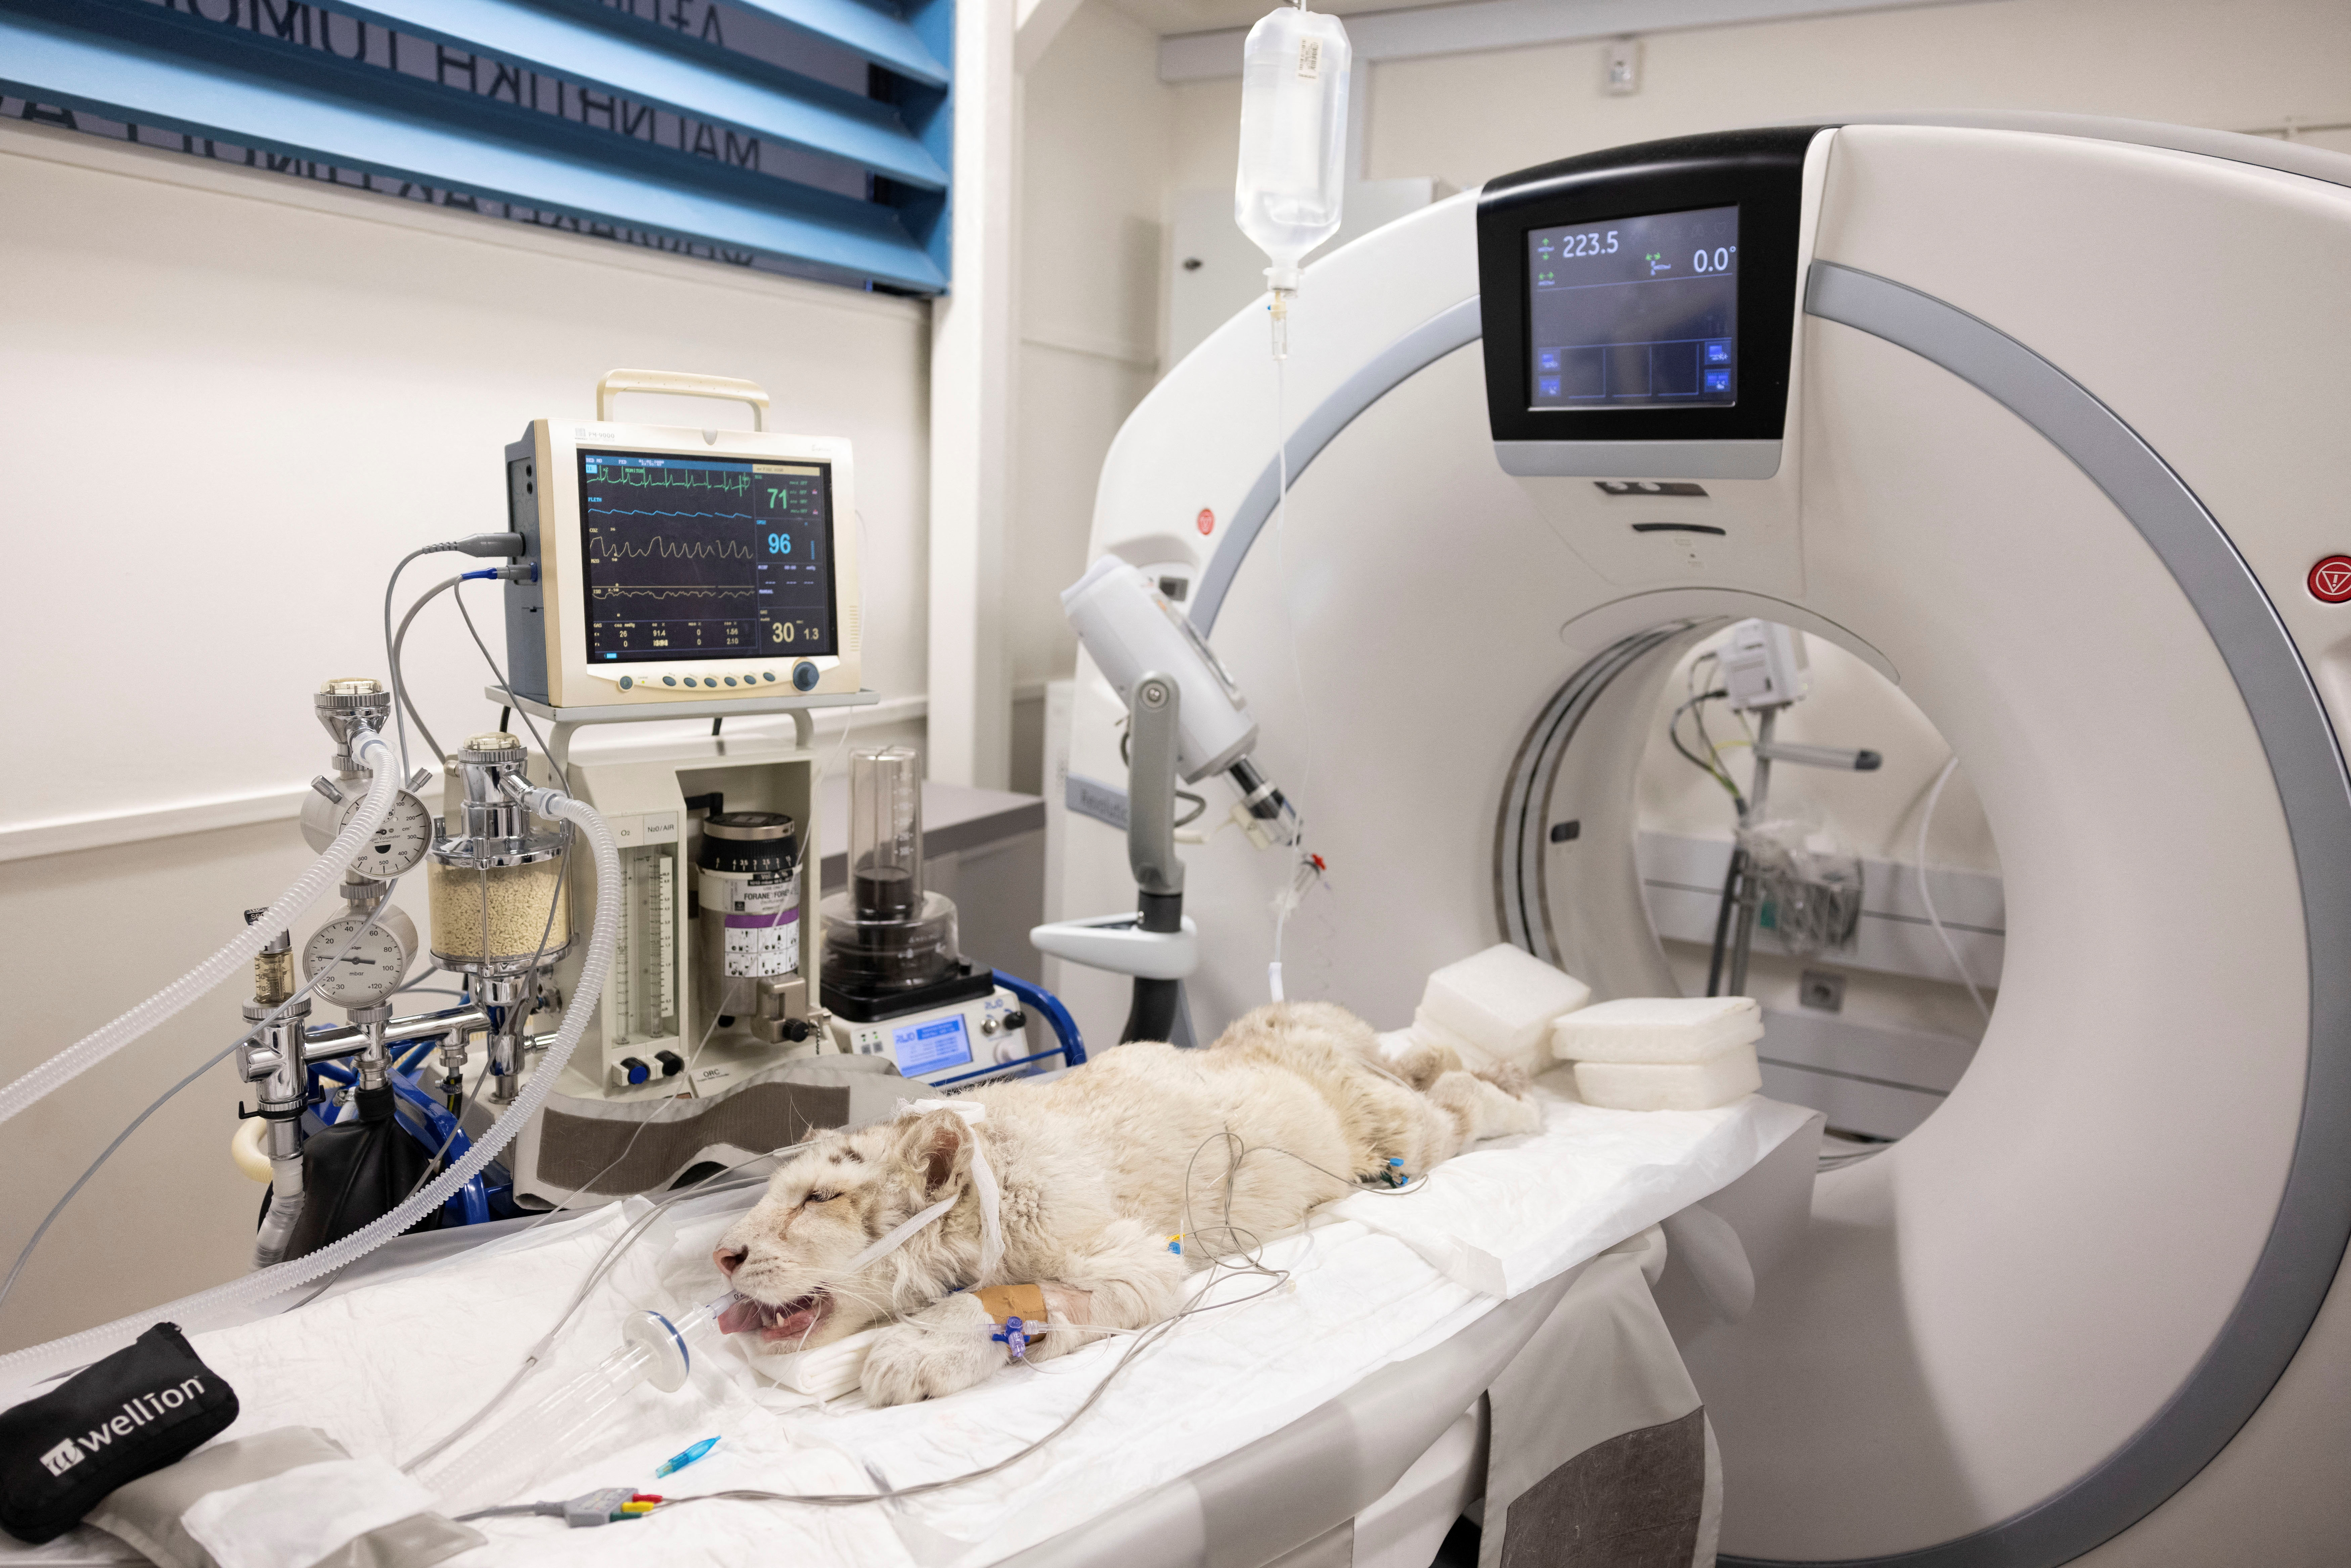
{"points": [[1207, 520], [2330, 580]]}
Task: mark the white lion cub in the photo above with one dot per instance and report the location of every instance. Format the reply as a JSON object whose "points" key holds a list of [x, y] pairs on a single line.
{"points": [[1091, 1170]]}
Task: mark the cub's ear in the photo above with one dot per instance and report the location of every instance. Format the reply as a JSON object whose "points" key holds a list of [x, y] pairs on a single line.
{"points": [[938, 1145]]}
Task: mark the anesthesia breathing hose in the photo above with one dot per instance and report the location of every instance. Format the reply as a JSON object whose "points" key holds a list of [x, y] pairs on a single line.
{"points": [[370, 751], [76, 1350]]}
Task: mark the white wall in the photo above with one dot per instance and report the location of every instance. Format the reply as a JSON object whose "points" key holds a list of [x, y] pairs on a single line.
{"points": [[2250, 64], [1094, 164], [231, 400]]}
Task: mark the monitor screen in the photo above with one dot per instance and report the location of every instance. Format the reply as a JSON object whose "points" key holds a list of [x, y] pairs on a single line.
{"points": [[701, 558], [927, 1046], [1639, 312]]}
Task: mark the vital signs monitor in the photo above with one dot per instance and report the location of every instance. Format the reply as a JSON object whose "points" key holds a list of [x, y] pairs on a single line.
{"points": [[680, 565]]}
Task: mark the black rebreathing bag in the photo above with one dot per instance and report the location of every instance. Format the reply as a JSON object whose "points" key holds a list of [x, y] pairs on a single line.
{"points": [[356, 1171], [147, 1405]]}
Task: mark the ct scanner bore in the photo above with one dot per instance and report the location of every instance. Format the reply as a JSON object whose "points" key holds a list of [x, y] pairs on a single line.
{"points": [[2057, 440]]}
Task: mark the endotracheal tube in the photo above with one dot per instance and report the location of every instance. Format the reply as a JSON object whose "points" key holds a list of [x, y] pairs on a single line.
{"points": [[1293, 176], [654, 1352]]}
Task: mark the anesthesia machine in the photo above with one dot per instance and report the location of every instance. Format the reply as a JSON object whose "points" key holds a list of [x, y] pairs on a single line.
{"points": [[645, 996]]}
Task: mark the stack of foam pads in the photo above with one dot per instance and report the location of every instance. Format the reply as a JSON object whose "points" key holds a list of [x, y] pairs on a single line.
{"points": [[1494, 1007], [1663, 1053]]}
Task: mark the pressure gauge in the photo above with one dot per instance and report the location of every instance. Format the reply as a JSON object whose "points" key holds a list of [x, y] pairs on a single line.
{"points": [[373, 968], [401, 839]]}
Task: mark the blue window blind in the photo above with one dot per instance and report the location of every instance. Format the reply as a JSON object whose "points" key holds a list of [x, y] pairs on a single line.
{"points": [[801, 136]]}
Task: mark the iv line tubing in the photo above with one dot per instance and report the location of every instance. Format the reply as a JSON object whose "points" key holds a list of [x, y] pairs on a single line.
{"points": [[79, 1349], [95, 1047], [1292, 891], [1926, 891]]}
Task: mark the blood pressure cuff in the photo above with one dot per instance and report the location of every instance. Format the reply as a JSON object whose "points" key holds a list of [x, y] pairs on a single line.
{"points": [[145, 1407]]}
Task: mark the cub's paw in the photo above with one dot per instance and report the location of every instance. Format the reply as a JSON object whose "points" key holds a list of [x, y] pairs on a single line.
{"points": [[1504, 1114], [1507, 1076], [942, 1350], [1422, 1064]]}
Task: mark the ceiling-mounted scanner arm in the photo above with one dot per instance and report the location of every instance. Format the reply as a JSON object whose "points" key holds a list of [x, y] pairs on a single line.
{"points": [[1130, 630]]}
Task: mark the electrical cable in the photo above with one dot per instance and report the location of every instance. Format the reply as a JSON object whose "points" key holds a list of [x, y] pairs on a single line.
{"points": [[1711, 768], [1926, 891], [561, 775], [479, 546], [393, 647]]}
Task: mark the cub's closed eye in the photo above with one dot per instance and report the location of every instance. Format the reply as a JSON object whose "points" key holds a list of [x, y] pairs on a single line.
{"points": [[820, 1197]]}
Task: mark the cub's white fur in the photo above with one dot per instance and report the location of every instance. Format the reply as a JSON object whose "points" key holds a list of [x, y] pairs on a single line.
{"points": [[1093, 1170]]}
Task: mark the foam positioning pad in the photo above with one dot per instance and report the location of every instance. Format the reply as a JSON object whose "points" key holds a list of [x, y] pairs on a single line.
{"points": [[1658, 1029], [1502, 1001], [1669, 1086]]}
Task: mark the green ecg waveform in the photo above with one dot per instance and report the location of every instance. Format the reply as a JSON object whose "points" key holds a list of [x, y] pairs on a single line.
{"points": [[673, 479], [715, 591]]}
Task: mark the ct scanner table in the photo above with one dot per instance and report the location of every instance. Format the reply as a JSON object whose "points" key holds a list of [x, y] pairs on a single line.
{"points": [[2044, 418]]}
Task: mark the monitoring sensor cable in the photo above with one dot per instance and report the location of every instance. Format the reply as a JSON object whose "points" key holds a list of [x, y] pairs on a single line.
{"points": [[562, 776], [407, 705], [509, 545]]}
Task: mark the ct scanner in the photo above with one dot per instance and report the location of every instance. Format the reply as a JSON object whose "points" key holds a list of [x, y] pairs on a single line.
{"points": [[2046, 419]]}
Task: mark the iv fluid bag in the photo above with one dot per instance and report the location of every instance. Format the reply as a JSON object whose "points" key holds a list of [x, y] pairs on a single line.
{"points": [[1293, 136]]}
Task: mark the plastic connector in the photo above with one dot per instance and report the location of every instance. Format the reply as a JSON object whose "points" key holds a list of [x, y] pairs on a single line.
{"points": [[607, 1505], [488, 544], [543, 800]]}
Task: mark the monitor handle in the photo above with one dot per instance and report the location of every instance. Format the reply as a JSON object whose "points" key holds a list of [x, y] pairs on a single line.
{"points": [[681, 383]]}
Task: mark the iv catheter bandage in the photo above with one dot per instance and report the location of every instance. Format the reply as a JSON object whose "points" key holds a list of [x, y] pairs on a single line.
{"points": [[1017, 1311]]}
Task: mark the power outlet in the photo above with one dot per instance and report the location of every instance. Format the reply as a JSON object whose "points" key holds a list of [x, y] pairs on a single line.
{"points": [[1823, 991], [1624, 66]]}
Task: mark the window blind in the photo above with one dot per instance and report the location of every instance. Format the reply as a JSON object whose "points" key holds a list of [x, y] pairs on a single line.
{"points": [[807, 136]]}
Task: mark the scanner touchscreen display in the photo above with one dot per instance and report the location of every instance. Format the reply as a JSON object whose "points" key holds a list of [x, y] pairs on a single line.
{"points": [[1639, 312], [701, 557]]}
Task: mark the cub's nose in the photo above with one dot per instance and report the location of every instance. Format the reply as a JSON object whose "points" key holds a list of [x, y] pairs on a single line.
{"points": [[729, 1258]]}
